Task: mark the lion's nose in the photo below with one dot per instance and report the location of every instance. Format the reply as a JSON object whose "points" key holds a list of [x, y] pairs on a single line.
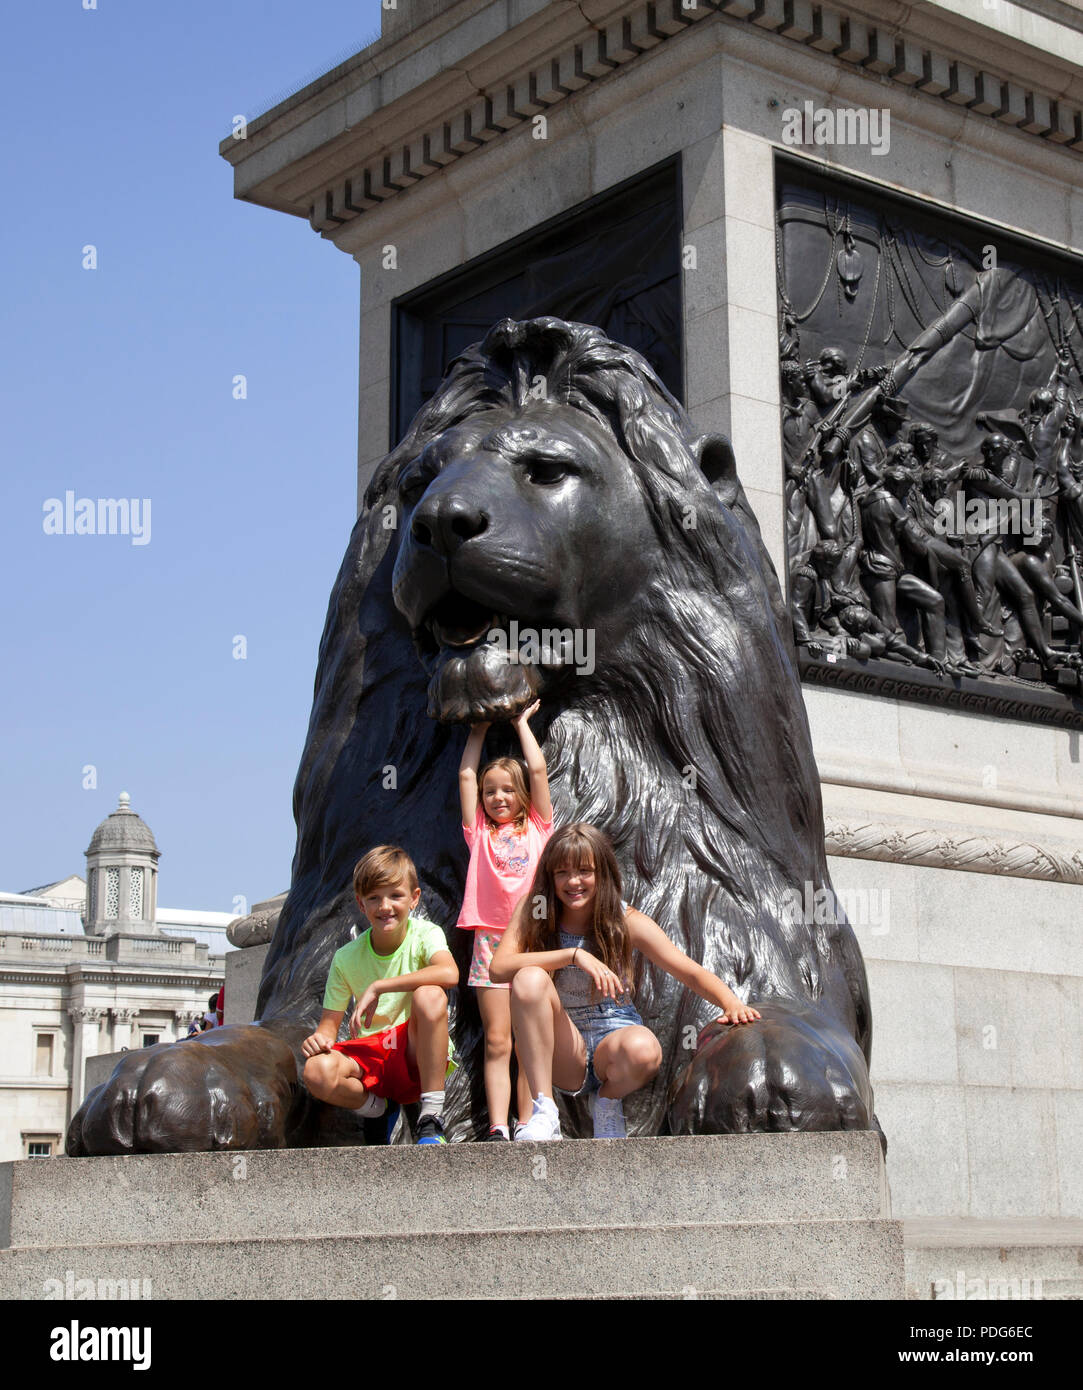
{"points": [[443, 523]]}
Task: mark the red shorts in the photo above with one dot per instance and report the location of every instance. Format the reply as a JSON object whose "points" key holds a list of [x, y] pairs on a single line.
{"points": [[386, 1068]]}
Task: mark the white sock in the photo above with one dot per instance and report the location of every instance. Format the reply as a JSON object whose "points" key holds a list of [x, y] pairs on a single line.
{"points": [[543, 1101], [432, 1103], [500, 1129], [372, 1107]]}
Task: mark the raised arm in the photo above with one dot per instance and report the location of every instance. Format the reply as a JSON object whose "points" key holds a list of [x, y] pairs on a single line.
{"points": [[535, 761], [647, 936], [468, 774]]}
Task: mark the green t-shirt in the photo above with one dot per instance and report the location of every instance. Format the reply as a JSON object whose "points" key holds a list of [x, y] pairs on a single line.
{"points": [[355, 966]]}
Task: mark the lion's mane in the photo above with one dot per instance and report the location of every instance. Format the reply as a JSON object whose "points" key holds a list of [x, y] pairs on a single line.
{"points": [[692, 750]]}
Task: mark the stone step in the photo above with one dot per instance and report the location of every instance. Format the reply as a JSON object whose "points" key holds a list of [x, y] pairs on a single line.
{"points": [[744, 1295], [842, 1259], [1056, 1289], [1010, 1258], [462, 1187]]}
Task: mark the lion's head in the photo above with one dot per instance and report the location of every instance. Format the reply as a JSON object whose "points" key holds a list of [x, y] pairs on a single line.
{"points": [[552, 524], [550, 481]]}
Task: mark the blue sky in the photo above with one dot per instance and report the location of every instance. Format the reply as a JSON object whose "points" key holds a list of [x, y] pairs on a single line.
{"points": [[118, 383]]}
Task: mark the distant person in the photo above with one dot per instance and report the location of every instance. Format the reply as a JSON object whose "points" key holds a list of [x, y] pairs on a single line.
{"points": [[210, 1018], [399, 972]]}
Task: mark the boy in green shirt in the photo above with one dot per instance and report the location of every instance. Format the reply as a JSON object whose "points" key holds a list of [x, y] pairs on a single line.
{"points": [[398, 971]]}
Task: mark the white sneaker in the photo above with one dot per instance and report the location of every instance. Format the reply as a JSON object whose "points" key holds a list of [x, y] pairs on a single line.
{"points": [[372, 1107], [544, 1123], [608, 1116]]}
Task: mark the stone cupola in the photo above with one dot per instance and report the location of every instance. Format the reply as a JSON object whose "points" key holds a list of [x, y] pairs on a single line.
{"points": [[122, 875]]}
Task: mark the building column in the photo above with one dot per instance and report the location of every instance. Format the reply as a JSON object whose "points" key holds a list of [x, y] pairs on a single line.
{"points": [[122, 1028], [85, 1027]]}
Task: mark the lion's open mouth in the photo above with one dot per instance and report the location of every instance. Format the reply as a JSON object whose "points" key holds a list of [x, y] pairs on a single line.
{"points": [[457, 621], [472, 678]]}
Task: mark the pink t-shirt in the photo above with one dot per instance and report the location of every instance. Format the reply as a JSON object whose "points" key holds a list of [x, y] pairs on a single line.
{"points": [[502, 867]]}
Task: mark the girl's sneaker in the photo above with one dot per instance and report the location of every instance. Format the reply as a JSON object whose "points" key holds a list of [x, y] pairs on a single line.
{"points": [[608, 1118], [497, 1135], [544, 1123]]}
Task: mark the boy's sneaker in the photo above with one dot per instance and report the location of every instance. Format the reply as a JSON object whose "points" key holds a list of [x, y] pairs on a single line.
{"points": [[496, 1136], [544, 1123], [430, 1130], [608, 1116]]}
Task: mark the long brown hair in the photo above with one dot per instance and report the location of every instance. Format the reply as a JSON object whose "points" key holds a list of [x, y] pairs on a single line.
{"points": [[579, 846], [514, 768]]}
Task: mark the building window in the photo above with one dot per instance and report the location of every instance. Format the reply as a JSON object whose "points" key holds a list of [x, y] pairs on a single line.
{"points": [[135, 894], [43, 1054], [150, 1039], [91, 888], [40, 1145], [112, 894]]}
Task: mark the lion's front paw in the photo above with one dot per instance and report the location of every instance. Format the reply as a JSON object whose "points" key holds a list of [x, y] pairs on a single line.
{"points": [[793, 1069], [232, 1088]]}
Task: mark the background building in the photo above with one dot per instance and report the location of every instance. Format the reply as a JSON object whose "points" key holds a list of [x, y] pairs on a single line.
{"points": [[92, 966]]}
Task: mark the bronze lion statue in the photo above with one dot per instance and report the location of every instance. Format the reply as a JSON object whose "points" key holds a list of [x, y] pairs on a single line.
{"points": [[553, 484]]}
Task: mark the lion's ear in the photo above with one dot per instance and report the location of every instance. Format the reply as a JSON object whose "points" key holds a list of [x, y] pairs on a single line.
{"points": [[714, 454]]}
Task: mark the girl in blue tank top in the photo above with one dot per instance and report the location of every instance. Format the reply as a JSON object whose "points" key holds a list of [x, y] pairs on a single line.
{"points": [[569, 955]]}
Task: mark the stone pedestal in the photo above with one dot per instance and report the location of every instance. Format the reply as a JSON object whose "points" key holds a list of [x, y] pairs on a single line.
{"points": [[244, 970], [766, 1216], [99, 1069]]}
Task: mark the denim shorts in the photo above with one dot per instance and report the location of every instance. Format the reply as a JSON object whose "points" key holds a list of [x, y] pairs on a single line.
{"points": [[595, 1022]]}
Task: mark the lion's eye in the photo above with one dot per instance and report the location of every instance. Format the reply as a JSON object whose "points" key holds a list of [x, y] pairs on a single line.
{"points": [[546, 470], [414, 482]]}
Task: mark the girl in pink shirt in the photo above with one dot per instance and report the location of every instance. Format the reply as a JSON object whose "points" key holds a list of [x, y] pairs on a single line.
{"points": [[506, 824]]}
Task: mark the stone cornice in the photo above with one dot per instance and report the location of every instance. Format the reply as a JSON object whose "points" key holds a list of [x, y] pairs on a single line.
{"points": [[33, 1083], [858, 837], [64, 980], [400, 112]]}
